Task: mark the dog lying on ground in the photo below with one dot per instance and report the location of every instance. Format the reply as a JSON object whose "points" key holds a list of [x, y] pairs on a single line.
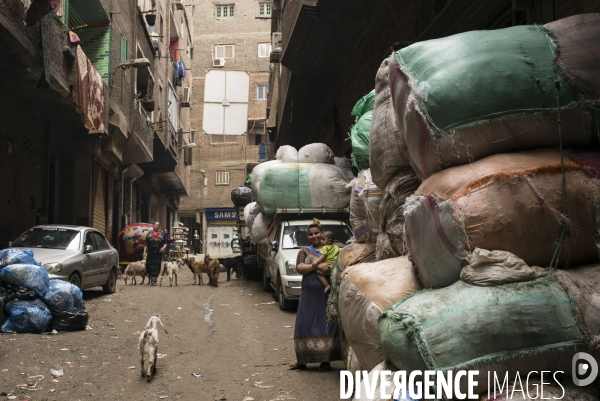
{"points": [[234, 264], [197, 269], [214, 268], [169, 269], [136, 269], [148, 346]]}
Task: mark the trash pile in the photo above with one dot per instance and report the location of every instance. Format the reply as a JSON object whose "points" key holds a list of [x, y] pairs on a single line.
{"points": [[30, 302], [469, 193]]}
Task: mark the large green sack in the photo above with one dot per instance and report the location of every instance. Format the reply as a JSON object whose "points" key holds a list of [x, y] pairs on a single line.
{"points": [[470, 95], [359, 133], [526, 326], [306, 185]]}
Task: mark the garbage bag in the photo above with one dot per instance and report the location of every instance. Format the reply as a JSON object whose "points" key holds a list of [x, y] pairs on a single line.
{"points": [[359, 132], [364, 207], [31, 276], [315, 153], [69, 321], [346, 164], [8, 292], [58, 298], [241, 196], [26, 317], [287, 154], [250, 212], [14, 256], [508, 202], [507, 99], [75, 292]]}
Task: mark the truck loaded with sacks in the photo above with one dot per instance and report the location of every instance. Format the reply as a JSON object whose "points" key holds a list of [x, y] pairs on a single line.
{"points": [[476, 210], [289, 192]]}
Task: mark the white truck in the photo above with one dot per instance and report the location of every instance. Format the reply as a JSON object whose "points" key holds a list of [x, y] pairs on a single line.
{"points": [[277, 256]]}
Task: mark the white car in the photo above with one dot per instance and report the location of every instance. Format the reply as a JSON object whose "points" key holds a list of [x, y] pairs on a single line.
{"points": [[277, 257], [79, 255]]}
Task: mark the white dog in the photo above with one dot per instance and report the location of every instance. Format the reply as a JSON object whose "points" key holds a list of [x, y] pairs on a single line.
{"points": [[149, 346]]}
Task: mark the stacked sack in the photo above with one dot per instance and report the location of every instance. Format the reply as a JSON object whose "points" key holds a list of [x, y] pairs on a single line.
{"points": [[33, 303], [312, 180], [484, 225]]}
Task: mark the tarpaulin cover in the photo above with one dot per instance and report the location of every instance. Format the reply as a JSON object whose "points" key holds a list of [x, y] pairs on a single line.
{"points": [[387, 149], [467, 96], [509, 202], [365, 198], [356, 253], [257, 173], [261, 228], [250, 212], [578, 39], [390, 241], [12, 256], [294, 185], [31, 276], [26, 317], [366, 290], [241, 196], [346, 164], [315, 153], [359, 132], [505, 328]]}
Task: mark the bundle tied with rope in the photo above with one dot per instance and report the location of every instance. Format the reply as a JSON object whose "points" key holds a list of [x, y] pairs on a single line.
{"points": [[510, 100]]}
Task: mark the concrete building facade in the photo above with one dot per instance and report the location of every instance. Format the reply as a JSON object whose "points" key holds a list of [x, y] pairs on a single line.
{"points": [[85, 131], [230, 37]]}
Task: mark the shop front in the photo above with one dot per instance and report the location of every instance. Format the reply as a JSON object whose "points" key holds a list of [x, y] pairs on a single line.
{"points": [[220, 223]]}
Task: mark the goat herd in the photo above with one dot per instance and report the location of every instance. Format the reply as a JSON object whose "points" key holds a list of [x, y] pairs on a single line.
{"points": [[210, 266], [148, 342]]}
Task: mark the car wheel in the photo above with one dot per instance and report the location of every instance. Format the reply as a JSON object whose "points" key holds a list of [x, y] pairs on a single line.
{"points": [[284, 304], [111, 284], [75, 279], [266, 281]]}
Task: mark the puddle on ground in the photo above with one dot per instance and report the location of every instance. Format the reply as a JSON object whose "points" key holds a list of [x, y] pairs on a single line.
{"points": [[208, 314]]}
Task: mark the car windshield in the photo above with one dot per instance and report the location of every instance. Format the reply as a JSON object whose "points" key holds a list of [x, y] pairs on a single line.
{"points": [[294, 237], [47, 237]]}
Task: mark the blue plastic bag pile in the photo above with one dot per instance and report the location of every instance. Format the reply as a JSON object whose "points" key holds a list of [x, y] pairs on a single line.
{"points": [[33, 303]]}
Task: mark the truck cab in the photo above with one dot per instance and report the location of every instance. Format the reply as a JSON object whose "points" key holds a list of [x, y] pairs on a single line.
{"points": [[277, 256]]}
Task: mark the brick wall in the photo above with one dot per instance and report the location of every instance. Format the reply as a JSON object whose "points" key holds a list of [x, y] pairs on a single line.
{"points": [[95, 42], [245, 32]]}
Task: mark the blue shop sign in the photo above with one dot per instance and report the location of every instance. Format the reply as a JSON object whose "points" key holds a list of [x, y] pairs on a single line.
{"points": [[220, 214]]}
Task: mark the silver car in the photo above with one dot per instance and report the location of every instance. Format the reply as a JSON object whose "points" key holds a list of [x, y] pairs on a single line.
{"points": [[79, 255]]}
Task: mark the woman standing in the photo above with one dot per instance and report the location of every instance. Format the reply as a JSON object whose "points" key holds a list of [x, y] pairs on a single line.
{"points": [[316, 339], [153, 250], [196, 242]]}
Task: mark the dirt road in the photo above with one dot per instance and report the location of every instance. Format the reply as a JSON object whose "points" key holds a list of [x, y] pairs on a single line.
{"points": [[234, 337]]}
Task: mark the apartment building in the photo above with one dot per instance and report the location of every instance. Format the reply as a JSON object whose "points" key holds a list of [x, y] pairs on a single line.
{"points": [[89, 130], [232, 45]]}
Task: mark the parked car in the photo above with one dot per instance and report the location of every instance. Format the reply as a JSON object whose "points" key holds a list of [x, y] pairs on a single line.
{"points": [[79, 255]]}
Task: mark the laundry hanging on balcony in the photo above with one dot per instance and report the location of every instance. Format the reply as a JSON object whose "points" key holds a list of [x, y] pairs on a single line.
{"points": [[88, 94], [37, 9], [179, 72]]}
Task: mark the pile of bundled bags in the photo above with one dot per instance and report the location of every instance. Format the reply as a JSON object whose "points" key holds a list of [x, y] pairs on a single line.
{"points": [[477, 232], [311, 177], [30, 302]]}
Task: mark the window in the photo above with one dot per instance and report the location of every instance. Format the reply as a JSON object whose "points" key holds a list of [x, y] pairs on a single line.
{"points": [[264, 50], [261, 91], [223, 11], [123, 49], [224, 51], [264, 9], [217, 139], [222, 177]]}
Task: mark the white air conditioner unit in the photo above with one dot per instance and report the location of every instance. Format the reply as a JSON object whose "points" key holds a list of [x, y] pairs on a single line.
{"points": [[185, 99], [276, 43], [219, 62]]}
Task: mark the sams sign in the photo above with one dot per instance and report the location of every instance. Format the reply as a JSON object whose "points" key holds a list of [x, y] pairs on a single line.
{"points": [[220, 214]]}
